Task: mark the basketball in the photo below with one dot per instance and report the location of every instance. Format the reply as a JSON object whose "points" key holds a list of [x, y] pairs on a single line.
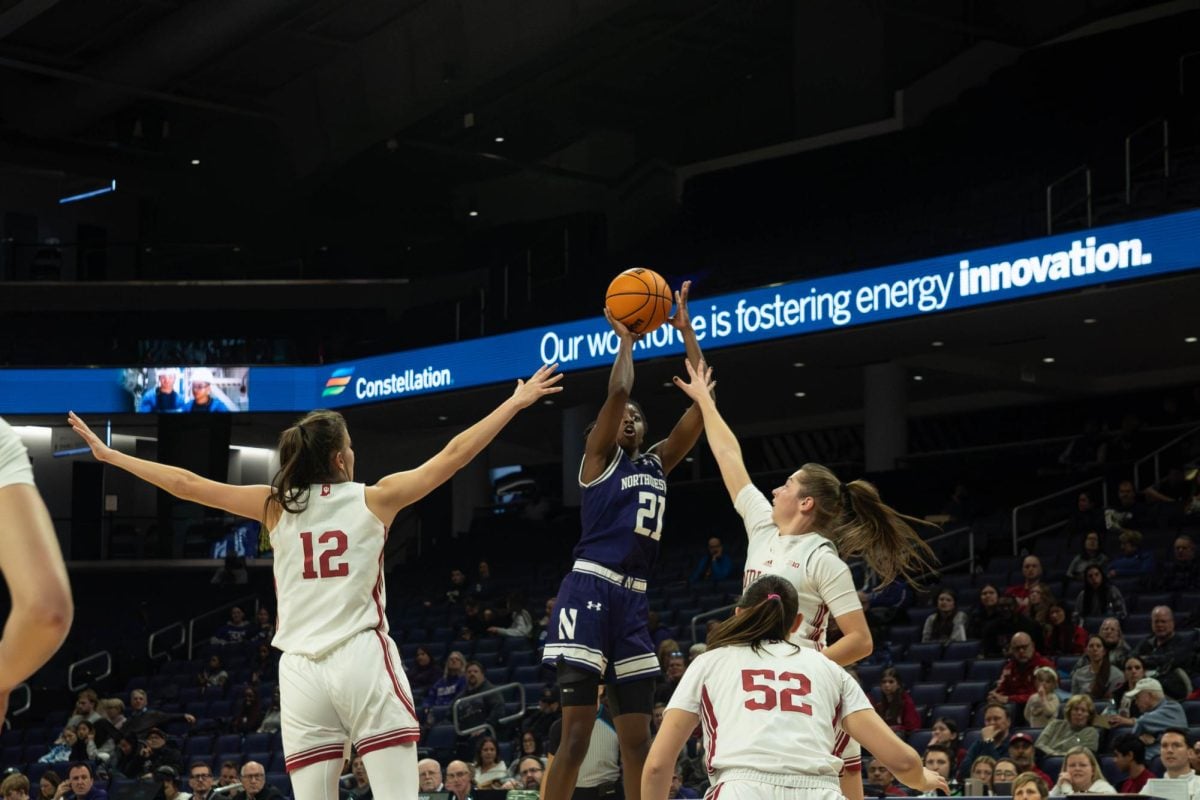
{"points": [[639, 299]]}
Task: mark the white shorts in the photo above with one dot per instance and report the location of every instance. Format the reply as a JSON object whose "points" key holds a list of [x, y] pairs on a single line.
{"points": [[355, 694], [754, 790]]}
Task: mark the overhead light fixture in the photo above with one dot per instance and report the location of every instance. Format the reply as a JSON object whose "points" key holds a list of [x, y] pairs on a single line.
{"points": [[472, 213], [195, 162], [801, 394], [1089, 321], [499, 140], [918, 377], [936, 343], [547, 402], [668, 383], [797, 364], [1048, 360], [442, 418], [1190, 339], [112, 187]]}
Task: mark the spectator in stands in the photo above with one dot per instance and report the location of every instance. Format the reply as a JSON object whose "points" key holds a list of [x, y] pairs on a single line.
{"points": [[678, 791], [158, 753], [1041, 597], [254, 783], [1020, 752], [1005, 771], [947, 623], [472, 624], [880, 782], [1015, 684], [213, 676], [939, 759], [483, 587], [1175, 746], [236, 630], [538, 721], [85, 748], [895, 705], [884, 604], [1043, 704], [490, 770], [713, 565], [429, 776], [265, 664], [1029, 786], [168, 789], [112, 713], [127, 760], [1134, 561], [359, 782], [458, 780], [484, 710], [85, 708], [527, 745], [15, 787], [271, 720], [945, 731], [423, 673], [1129, 754], [200, 780], [520, 623], [247, 713], [47, 785], [658, 632], [1133, 671], [530, 770], [1090, 554], [993, 739], [1175, 489], [1114, 642], [1194, 756], [998, 634], [1086, 517], [1063, 636], [229, 775], [665, 650], [986, 612], [1098, 597], [1167, 654], [1182, 572], [1130, 511], [1031, 572], [1159, 713], [60, 748], [676, 666], [1081, 774], [138, 703], [1076, 728], [1095, 663], [457, 591], [452, 683], [80, 784], [981, 771], [545, 622]]}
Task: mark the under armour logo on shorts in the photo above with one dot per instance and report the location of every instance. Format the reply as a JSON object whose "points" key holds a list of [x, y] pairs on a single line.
{"points": [[593, 606]]}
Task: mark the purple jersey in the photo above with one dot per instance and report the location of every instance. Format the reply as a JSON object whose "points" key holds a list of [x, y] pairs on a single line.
{"points": [[622, 514]]}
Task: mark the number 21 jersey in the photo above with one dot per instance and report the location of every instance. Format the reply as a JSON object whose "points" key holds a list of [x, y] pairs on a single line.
{"points": [[621, 513], [328, 570]]}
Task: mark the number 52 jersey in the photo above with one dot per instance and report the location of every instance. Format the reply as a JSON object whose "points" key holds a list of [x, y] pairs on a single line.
{"points": [[773, 711], [328, 570]]}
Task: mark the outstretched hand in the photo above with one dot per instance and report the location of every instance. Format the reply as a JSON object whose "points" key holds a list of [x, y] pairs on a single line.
{"points": [[935, 781], [700, 380], [618, 326], [100, 450], [540, 384], [681, 320]]}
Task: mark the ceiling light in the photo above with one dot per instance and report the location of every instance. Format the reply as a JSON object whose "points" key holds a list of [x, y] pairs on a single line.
{"points": [[797, 364], [195, 162], [1048, 360], [689, 459], [936, 343], [801, 394], [499, 140], [547, 402], [1089, 321], [668, 383], [442, 418], [1190, 339], [918, 377], [472, 213]]}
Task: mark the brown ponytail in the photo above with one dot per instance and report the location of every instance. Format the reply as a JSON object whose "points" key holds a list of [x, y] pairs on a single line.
{"points": [[768, 610], [863, 526], [306, 452]]}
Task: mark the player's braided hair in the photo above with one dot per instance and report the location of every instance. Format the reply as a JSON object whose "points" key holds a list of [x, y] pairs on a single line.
{"points": [[863, 526], [306, 452], [768, 609]]}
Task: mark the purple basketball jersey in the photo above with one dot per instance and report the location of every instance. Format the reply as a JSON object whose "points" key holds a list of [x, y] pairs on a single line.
{"points": [[622, 514]]}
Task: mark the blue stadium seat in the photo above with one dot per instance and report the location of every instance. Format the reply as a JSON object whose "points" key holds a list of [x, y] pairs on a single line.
{"points": [[527, 674], [1064, 664], [489, 661], [1144, 603], [910, 674], [868, 675], [198, 746], [904, 634], [464, 646], [278, 764], [969, 692], [919, 739], [1111, 772], [961, 651], [960, 713], [492, 644], [441, 739], [924, 652], [1052, 765], [257, 742], [281, 782], [11, 756], [987, 669], [497, 675], [523, 658], [947, 673], [1136, 623], [928, 694], [229, 743], [219, 709], [1192, 709]]}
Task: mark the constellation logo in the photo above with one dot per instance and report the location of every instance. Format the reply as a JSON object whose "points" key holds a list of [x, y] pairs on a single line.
{"points": [[337, 381]]}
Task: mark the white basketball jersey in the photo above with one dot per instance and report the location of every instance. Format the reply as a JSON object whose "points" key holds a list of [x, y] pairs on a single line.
{"points": [[328, 570], [774, 711], [809, 562]]}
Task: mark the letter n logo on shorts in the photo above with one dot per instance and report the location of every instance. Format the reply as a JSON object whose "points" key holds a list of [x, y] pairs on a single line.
{"points": [[566, 622]]}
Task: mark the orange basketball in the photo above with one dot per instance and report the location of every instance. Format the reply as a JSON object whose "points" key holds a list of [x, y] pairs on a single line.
{"points": [[639, 299]]}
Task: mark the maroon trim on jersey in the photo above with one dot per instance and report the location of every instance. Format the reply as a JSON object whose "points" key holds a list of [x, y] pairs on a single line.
{"points": [[818, 623], [314, 755], [390, 739], [377, 590], [714, 792], [709, 718], [391, 671]]}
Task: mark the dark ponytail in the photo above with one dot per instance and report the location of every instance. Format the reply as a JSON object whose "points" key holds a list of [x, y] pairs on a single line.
{"points": [[306, 452], [768, 607], [863, 526]]}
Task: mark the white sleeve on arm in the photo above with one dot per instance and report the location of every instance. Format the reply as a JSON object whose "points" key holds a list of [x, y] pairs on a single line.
{"points": [[755, 510], [831, 578], [686, 696], [853, 697], [14, 460]]}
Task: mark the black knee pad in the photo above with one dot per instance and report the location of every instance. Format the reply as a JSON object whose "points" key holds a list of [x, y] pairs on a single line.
{"points": [[577, 687], [634, 697]]}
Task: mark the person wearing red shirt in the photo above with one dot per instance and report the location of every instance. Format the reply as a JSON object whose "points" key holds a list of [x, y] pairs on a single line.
{"points": [[1129, 754], [895, 704], [1016, 683], [1031, 571]]}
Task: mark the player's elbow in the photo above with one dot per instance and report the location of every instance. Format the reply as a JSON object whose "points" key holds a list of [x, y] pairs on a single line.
{"points": [[52, 611]]}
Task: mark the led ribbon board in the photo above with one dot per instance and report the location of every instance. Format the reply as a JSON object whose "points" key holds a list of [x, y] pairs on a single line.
{"points": [[1114, 254]]}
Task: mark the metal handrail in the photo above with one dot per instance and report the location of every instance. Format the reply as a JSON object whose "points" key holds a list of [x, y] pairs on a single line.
{"points": [[162, 632], [17, 710], [707, 615], [1166, 154], [1087, 198], [1037, 501], [1154, 454], [102, 654], [191, 626], [487, 726]]}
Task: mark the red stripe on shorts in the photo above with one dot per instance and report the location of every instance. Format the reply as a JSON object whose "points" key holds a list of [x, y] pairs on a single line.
{"points": [[387, 660], [389, 739], [313, 756]]}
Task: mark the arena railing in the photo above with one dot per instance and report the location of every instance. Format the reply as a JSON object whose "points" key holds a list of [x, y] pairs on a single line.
{"points": [[16, 709], [1039, 502], [181, 640], [104, 655], [1153, 457], [249, 604], [707, 615], [1147, 132], [496, 690], [1052, 215]]}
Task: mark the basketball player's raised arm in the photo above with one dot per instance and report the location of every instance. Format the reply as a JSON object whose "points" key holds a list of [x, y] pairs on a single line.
{"points": [[598, 449], [244, 501], [722, 442], [868, 729], [687, 430], [677, 726], [394, 492]]}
